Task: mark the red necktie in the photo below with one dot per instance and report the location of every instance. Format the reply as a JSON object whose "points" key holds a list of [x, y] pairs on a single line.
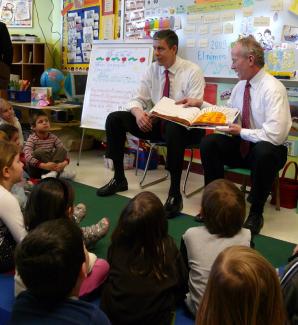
{"points": [[165, 93], [166, 88], [244, 145]]}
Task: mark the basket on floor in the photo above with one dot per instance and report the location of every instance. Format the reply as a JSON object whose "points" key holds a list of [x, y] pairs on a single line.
{"points": [[288, 188]]}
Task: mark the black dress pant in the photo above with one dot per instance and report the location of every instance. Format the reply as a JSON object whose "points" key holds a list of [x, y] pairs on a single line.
{"points": [[176, 137], [264, 160]]}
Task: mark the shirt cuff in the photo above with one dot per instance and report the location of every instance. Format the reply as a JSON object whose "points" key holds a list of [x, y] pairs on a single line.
{"points": [[244, 134], [132, 104]]}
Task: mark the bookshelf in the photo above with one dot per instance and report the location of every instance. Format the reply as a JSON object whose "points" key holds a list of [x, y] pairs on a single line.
{"points": [[29, 61]]}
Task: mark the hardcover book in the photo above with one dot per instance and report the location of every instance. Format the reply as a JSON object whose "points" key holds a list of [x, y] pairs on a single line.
{"points": [[208, 117]]}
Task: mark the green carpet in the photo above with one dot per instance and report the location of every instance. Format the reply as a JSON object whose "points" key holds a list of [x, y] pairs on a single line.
{"points": [[276, 251]]}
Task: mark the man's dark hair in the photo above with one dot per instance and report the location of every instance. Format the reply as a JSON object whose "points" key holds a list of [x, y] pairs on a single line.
{"points": [[35, 115], [49, 260], [168, 35]]}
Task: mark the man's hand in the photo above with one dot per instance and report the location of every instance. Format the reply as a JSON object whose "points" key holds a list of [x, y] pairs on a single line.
{"points": [[233, 129], [143, 119], [190, 102]]}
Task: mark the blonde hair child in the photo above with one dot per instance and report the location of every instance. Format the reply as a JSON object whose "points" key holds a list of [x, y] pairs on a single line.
{"points": [[7, 115], [12, 229], [243, 289]]}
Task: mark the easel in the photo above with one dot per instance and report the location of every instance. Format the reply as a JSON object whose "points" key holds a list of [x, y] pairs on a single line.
{"points": [[81, 145]]}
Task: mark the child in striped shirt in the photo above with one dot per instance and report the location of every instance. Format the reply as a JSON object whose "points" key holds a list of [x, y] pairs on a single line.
{"points": [[45, 153]]}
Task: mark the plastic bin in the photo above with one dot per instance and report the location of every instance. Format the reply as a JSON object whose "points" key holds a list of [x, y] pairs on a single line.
{"points": [[19, 95]]}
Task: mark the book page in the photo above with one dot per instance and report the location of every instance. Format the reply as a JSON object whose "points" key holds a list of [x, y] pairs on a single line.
{"points": [[216, 116], [166, 108]]}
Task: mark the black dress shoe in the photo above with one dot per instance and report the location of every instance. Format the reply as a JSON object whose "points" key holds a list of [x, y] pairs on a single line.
{"points": [[199, 217], [254, 222], [173, 206], [112, 187]]}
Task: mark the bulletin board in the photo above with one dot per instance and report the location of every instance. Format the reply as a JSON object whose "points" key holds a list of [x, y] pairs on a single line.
{"points": [[209, 27], [115, 71], [80, 28], [16, 13], [85, 21]]}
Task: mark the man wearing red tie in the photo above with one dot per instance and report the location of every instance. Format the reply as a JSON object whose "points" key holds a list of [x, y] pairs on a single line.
{"points": [[168, 76], [258, 141]]}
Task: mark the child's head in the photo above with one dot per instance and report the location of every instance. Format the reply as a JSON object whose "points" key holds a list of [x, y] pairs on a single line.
{"points": [[243, 288], [11, 168], [39, 121], [143, 229], [6, 111], [12, 133], [3, 136], [51, 198], [50, 260], [223, 208]]}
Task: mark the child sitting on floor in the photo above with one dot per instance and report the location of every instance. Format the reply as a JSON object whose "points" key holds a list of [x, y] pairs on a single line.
{"points": [[289, 284], [12, 229], [52, 264], [223, 209], [7, 116], [53, 198], [243, 288], [44, 152], [147, 276]]}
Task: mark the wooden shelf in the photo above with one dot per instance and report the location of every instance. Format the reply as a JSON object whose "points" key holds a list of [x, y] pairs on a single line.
{"points": [[30, 60]]}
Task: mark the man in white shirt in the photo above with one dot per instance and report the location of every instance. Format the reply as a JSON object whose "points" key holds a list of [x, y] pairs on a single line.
{"points": [[168, 76], [258, 142]]}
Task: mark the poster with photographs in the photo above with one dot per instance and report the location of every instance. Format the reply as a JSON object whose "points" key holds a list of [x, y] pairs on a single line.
{"points": [[82, 29], [16, 13]]}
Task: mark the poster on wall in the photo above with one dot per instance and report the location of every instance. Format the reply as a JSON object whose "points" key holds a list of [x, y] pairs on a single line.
{"points": [[82, 29], [16, 13]]}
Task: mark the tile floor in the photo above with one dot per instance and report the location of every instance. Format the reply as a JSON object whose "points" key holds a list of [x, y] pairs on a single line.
{"points": [[281, 224]]}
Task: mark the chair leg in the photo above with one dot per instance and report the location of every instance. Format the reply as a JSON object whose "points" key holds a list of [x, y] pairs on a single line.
{"points": [[187, 195], [244, 184], [137, 158], [161, 179]]}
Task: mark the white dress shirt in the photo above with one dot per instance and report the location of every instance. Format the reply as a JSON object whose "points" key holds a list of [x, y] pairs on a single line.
{"points": [[186, 80], [270, 118]]}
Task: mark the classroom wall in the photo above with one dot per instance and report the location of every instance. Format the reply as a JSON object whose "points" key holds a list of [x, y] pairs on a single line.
{"points": [[42, 10]]}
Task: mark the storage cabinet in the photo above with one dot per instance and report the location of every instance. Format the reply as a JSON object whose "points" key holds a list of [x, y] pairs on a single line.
{"points": [[29, 61]]}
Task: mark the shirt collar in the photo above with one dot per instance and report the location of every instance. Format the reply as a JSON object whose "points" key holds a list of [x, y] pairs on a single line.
{"points": [[254, 82], [174, 67]]}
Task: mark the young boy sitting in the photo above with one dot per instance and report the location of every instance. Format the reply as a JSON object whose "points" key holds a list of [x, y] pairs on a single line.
{"points": [[7, 116], [51, 262], [44, 152]]}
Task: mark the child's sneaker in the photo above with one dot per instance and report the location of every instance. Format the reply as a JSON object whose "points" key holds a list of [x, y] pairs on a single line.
{"points": [[79, 212], [50, 174], [68, 173], [94, 233]]}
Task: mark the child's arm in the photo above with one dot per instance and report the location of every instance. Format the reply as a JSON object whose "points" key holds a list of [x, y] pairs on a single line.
{"points": [[182, 274], [28, 152]]}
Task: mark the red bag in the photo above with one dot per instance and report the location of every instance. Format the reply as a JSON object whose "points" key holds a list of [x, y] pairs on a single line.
{"points": [[288, 188]]}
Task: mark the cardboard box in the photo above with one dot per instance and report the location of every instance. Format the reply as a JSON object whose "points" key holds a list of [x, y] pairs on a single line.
{"points": [[41, 96]]}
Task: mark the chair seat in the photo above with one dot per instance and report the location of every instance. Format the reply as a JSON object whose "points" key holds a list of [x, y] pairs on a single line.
{"points": [[241, 171]]}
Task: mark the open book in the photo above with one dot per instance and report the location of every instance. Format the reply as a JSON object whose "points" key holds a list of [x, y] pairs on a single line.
{"points": [[208, 117]]}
